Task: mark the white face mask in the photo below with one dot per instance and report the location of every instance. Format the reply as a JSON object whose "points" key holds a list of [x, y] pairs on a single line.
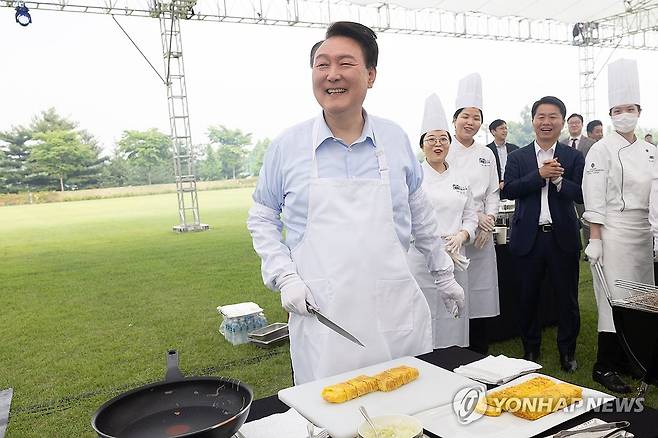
{"points": [[625, 122]]}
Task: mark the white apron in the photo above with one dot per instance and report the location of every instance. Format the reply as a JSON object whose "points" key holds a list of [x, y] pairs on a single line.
{"points": [[478, 164], [446, 329], [482, 281], [449, 194], [627, 255], [352, 260], [622, 199]]}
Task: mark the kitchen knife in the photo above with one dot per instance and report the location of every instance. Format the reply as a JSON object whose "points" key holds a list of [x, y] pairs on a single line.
{"points": [[332, 325]]}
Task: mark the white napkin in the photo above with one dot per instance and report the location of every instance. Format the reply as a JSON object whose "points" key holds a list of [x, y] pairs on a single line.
{"points": [[497, 369], [290, 424], [596, 422]]}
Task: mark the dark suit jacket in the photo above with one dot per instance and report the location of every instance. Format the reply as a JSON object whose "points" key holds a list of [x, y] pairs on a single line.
{"points": [[510, 147], [584, 144], [523, 183]]}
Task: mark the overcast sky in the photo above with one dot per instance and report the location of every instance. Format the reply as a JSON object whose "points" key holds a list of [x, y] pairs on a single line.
{"points": [[257, 78]]}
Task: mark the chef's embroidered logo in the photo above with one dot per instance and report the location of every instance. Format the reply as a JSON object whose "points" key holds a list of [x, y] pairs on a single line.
{"points": [[594, 170], [484, 161], [460, 189]]}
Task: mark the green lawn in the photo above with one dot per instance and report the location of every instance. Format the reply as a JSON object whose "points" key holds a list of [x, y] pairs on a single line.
{"points": [[92, 294]]}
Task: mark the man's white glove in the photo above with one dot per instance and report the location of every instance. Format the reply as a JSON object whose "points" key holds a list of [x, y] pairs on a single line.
{"points": [[461, 262], [594, 251], [454, 242], [486, 222], [450, 292], [481, 238], [295, 294]]}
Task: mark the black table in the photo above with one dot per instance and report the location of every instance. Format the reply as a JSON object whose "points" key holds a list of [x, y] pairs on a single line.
{"points": [[643, 424]]}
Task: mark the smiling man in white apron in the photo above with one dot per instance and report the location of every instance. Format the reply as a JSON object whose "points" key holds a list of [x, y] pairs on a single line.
{"points": [[348, 187]]}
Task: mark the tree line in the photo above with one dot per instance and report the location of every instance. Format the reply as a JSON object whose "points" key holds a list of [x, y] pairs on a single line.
{"points": [[54, 153]]}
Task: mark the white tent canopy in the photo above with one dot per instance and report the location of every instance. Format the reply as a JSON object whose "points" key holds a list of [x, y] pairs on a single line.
{"points": [[566, 11]]}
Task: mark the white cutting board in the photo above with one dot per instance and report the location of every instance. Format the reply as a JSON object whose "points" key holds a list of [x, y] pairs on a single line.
{"points": [[443, 422], [433, 387]]}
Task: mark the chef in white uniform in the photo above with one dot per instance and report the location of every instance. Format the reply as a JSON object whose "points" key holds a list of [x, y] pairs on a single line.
{"points": [[616, 188], [348, 187], [450, 195], [476, 161]]}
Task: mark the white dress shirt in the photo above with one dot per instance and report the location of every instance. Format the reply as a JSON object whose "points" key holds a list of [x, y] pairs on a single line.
{"points": [[282, 190], [571, 143], [543, 155], [502, 155]]}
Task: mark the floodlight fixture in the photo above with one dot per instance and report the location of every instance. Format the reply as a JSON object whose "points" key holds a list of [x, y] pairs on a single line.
{"points": [[23, 14]]}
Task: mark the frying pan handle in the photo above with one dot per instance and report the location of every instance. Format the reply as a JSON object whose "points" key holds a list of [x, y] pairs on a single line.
{"points": [[173, 372]]}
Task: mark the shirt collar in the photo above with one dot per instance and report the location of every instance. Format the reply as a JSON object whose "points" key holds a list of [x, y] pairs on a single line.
{"points": [[323, 132], [500, 146], [551, 149]]}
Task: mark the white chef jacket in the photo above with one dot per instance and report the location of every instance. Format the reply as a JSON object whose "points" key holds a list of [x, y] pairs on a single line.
{"points": [[450, 195], [616, 187], [478, 164], [282, 190], [616, 177]]}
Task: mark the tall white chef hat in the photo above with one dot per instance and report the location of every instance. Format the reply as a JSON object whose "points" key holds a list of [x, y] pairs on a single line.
{"points": [[434, 116], [623, 83], [469, 92]]}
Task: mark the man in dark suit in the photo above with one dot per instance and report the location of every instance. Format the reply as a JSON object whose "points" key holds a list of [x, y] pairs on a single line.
{"points": [[500, 148], [545, 178], [576, 139]]}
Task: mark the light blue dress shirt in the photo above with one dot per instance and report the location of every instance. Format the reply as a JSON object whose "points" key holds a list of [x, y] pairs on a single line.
{"points": [[283, 185]]}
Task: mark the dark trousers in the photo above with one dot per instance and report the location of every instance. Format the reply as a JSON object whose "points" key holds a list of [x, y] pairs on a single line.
{"points": [[478, 340], [546, 257], [610, 356]]}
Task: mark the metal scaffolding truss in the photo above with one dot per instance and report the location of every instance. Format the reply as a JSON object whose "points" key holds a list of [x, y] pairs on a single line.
{"points": [[635, 28]]}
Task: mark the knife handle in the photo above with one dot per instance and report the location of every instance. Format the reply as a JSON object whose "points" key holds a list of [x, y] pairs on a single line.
{"points": [[312, 309]]}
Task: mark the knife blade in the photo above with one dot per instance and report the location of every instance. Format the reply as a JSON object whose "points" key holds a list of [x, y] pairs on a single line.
{"points": [[332, 325]]}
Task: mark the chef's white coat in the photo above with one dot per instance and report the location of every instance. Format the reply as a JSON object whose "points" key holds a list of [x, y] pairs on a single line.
{"points": [[450, 195], [616, 187], [478, 164]]}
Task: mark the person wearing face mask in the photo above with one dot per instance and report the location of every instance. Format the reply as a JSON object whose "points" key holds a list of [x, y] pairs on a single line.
{"points": [[478, 164], [616, 189], [451, 198]]}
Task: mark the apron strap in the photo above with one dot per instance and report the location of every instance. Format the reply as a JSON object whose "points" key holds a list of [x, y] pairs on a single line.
{"points": [[384, 171]]}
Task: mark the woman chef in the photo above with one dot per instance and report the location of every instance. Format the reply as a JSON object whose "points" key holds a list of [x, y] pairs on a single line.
{"points": [[451, 198], [616, 188], [478, 164]]}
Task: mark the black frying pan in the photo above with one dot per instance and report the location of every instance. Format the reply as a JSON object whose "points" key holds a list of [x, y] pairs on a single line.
{"points": [[199, 407]]}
